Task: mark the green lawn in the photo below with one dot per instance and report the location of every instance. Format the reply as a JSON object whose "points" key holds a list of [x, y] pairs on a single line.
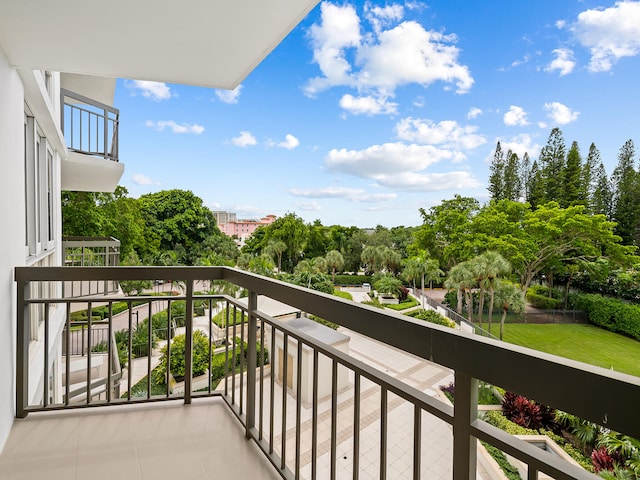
{"points": [[585, 343]]}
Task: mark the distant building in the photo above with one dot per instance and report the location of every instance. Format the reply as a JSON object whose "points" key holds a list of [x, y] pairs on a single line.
{"points": [[224, 217], [243, 228]]}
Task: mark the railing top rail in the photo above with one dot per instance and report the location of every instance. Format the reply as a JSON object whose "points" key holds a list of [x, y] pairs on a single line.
{"points": [[593, 393], [76, 238], [88, 101]]}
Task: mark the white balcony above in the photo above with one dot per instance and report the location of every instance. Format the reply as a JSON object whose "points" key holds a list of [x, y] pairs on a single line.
{"points": [[197, 42]]}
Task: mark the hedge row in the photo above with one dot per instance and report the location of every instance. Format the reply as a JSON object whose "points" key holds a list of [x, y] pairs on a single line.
{"points": [[352, 279], [609, 313], [538, 297]]}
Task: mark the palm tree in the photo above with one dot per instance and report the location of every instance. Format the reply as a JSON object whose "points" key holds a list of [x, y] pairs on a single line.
{"points": [[372, 257], [412, 270], [277, 248], [388, 284], [478, 266], [510, 297], [335, 261], [391, 259], [262, 265], [423, 267], [431, 272], [319, 265], [462, 279], [495, 264]]}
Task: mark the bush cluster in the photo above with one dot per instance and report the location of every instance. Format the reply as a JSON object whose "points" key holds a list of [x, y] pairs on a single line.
{"points": [[609, 313], [538, 297], [352, 279], [432, 316]]}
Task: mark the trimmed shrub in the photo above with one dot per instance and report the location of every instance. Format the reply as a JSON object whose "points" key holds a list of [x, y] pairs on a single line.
{"points": [[221, 317], [341, 294], [432, 316], [543, 302], [200, 358], [573, 452], [497, 419], [498, 455], [609, 313], [352, 279]]}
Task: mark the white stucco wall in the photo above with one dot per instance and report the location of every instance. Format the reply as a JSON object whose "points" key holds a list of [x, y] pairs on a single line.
{"points": [[12, 216]]}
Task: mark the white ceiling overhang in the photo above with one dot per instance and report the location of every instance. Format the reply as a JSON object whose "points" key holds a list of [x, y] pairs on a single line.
{"points": [[211, 43]]}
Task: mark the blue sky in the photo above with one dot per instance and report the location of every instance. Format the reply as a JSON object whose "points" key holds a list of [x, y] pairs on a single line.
{"points": [[367, 112]]}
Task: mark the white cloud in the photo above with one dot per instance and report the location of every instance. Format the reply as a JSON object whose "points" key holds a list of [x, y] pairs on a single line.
{"points": [[447, 133], [563, 62], [368, 105], [229, 96], [154, 90], [560, 114], [374, 198], [419, 101], [175, 127], [328, 192], [309, 206], [245, 139], [378, 63], [289, 143], [352, 194], [140, 179], [515, 116], [519, 145], [339, 29], [609, 34], [474, 112], [399, 166], [386, 159], [430, 182], [410, 54], [382, 16]]}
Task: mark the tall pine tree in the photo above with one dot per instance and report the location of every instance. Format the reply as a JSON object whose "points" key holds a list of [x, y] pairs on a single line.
{"points": [[589, 178], [511, 183], [525, 173], [536, 187], [571, 192], [552, 163], [496, 179], [626, 196], [602, 197]]}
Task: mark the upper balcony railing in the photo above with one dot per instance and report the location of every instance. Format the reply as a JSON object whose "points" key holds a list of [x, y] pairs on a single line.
{"points": [[89, 127], [278, 382], [90, 252]]}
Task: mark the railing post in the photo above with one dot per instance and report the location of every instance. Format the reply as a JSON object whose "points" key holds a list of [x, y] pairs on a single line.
{"points": [[465, 411], [188, 345], [105, 134], [22, 350], [252, 358]]}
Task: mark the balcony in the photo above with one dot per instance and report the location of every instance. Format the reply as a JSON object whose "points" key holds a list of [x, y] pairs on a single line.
{"points": [[286, 391], [90, 252], [91, 132]]}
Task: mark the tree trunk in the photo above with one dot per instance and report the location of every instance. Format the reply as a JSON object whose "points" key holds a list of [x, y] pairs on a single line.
{"points": [[480, 305], [504, 315], [459, 306], [491, 298]]}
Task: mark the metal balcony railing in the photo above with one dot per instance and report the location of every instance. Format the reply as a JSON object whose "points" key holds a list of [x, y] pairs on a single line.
{"points": [[271, 407], [90, 252], [89, 127]]}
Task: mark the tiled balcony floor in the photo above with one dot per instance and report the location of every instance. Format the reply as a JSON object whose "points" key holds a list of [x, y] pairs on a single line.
{"points": [[157, 441]]}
